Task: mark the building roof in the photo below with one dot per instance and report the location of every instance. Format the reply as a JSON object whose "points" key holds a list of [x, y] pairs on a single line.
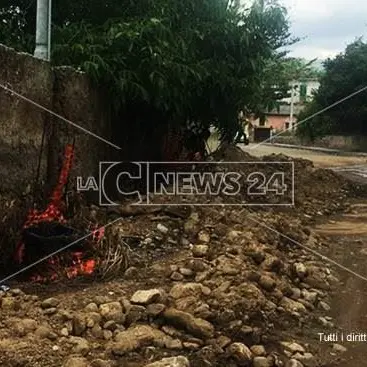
{"points": [[286, 110]]}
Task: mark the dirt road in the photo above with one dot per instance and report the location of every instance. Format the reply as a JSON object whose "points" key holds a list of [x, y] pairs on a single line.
{"points": [[348, 309], [348, 233], [322, 160]]}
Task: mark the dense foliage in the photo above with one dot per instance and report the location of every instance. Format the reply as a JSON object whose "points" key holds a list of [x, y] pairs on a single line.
{"points": [[163, 62], [344, 75]]}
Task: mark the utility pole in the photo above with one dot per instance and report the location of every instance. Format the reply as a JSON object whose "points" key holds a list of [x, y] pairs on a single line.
{"points": [[43, 30], [292, 106]]}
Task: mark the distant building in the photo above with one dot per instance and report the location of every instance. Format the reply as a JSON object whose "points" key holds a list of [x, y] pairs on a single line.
{"points": [[280, 118], [303, 91]]}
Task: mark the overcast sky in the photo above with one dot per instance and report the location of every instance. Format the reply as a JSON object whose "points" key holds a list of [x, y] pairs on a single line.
{"points": [[327, 25]]}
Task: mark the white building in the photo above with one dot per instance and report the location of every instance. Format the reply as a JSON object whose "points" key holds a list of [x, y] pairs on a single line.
{"points": [[303, 91]]}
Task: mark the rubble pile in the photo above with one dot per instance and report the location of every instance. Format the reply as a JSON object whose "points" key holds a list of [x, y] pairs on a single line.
{"points": [[316, 191], [229, 293], [206, 286]]}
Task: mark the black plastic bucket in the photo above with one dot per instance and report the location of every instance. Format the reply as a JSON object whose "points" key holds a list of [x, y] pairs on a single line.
{"points": [[46, 238]]}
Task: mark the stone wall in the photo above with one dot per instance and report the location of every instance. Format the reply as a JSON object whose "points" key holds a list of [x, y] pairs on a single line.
{"points": [[21, 122], [64, 91]]}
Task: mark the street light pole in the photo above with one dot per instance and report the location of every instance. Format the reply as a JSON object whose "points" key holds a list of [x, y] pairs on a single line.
{"points": [[292, 106], [43, 30]]}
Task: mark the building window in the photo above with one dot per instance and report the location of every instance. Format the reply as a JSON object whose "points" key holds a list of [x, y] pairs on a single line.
{"points": [[303, 92], [286, 125]]}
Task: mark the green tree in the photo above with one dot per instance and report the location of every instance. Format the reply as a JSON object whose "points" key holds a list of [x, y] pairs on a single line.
{"points": [[344, 75], [164, 62]]}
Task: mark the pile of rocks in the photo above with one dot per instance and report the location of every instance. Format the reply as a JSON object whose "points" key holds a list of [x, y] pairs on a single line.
{"points": [[224, 300]]}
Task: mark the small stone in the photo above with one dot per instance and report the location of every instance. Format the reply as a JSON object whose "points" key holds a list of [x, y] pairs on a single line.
{"points": [[183, 290], [179, 361], [64, 332], [91, 307], [76, 362], [136, 313], [296, 293], [16, 292], [25, 326], [8, 303], [177, 276], [110, 325], [173, 344], [200, 250], [195, 326], [223, 341], [45, 332], [99, 300], [135, 338], [293, 347], [112, 311], [101, 363], [49, 303], [50, 311], [203, 237], [93, 318], [155, 309], [307, 359], [107, 334], [294, 363], [300, 270], [79, 324], [65, 315], [191, 345], [267, 283], [291, 305], [258, 350], [145, 297], [324, 306], [161, 228], [240, 352], [309, 296], [81, 346], [97, 332], [186, 272], [262, 362], [339, 348]]}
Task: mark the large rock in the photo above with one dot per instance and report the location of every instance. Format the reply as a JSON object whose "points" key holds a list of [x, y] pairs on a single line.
{"points": [[262, 362], [179, 361], [292, 306], [195, 326], [50, 303], [145, 297], [138, 337], [79, 324], [22, 327], [292, 347], [76, 362], [240, 352], [200, 250], [112, 311], [182, 290]]}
